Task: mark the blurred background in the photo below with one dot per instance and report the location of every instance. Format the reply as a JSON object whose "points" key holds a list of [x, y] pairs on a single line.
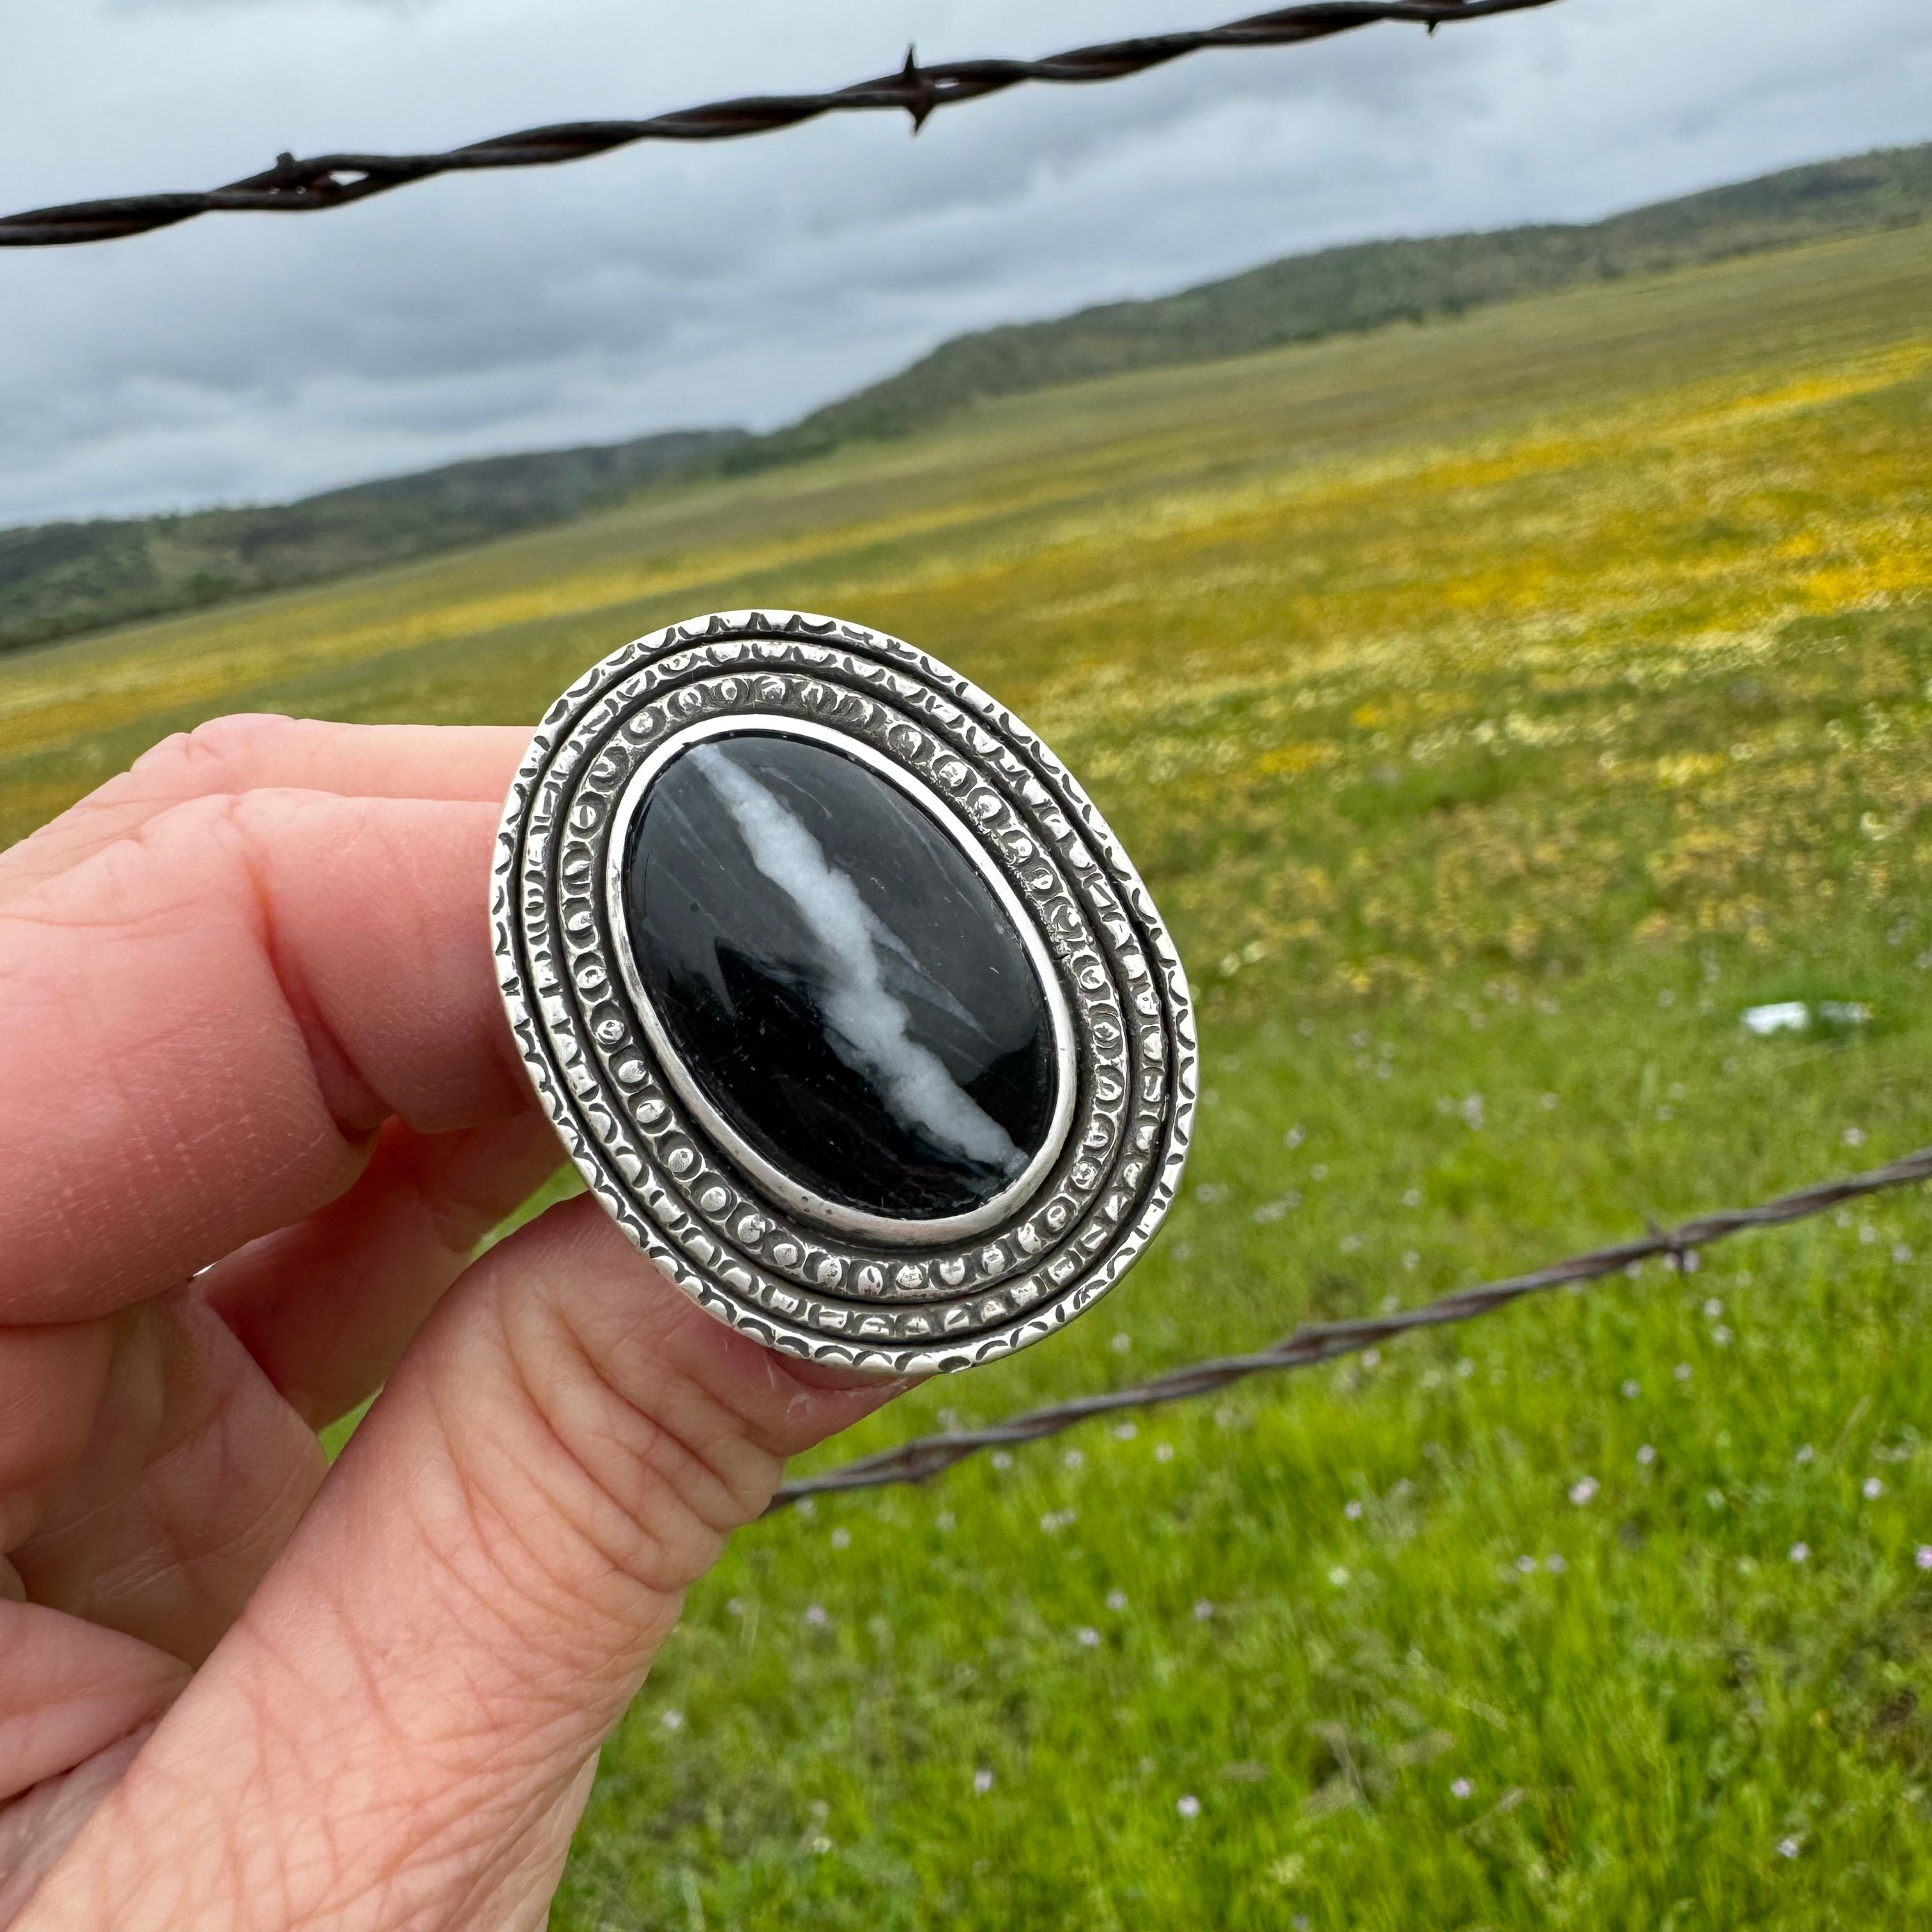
{"points": [[1463, 505]]}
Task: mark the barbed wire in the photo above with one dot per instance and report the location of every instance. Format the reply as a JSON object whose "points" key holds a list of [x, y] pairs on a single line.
{"points": [[293, 187], [928, 1456]]}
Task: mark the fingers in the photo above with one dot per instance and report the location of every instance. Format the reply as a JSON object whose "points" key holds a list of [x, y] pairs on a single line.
{"points": [[466, 1610], [71, 1697], [208, 1020], [36, 1827], [51, 1380], [327, 1307], [67, 1691], [192, 1477], [51, 1383], [157, 1509], [247, 753]]}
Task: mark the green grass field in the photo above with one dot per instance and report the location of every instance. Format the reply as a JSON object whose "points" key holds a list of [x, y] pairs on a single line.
{"points": [[1497, 708]]}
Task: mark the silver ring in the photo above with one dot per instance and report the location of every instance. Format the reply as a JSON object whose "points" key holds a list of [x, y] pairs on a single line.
{"points": [[848, 1005]]}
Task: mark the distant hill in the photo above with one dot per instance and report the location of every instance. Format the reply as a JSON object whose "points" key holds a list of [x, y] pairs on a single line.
{"points": [[1367, 286], [58, 579]]}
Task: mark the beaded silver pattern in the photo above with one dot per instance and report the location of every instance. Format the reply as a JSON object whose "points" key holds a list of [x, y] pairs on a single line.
{"points": [[675, 1189]]}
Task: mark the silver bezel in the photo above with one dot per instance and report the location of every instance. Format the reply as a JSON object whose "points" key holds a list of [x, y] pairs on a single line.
{"points": [[760, 1251]]}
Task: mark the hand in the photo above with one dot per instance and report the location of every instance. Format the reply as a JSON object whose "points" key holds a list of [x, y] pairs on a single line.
{"points": [[258, 1102]]}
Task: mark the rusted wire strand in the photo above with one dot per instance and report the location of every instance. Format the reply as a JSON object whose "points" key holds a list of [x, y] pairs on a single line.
{"points": [[928, 1456], [293, 187]]}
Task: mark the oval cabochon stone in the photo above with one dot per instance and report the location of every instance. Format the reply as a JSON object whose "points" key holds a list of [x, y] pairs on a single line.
{"points": [[837, 976]]}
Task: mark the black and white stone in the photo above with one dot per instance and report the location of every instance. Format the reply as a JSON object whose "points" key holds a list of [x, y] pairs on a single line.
{"points": [[738, 1188], [836, 976]]}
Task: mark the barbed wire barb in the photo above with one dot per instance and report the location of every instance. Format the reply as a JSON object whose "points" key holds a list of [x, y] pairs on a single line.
{"points": [[299, 187], [928, 1456], [924, 97]]}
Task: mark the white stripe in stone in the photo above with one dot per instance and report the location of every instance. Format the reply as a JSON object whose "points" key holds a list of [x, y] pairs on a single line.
{"points": [[866, 1026]]}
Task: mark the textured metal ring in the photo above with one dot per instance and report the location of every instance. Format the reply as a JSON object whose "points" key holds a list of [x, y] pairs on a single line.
{"points": [[848, 1007]]}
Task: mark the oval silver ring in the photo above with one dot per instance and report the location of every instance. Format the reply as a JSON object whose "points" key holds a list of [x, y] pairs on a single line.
{"points": [[846, 1004]]}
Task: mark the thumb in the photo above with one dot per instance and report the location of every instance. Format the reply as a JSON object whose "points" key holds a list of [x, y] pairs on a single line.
{"points": [[399, 1730]]}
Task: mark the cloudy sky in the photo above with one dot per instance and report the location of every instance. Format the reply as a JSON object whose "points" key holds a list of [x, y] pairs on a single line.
{"points": [[245, 358]]}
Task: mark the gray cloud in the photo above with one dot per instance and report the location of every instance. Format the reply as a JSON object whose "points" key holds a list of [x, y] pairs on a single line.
{"points": [[246, 358]]}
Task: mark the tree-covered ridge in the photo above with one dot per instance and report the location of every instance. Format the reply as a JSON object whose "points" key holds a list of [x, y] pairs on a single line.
{"points": [[58, 579], [1370, 284]]}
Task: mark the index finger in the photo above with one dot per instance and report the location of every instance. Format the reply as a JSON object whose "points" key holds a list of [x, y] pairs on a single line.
{"points": [[208, 1018], [252, 750]]}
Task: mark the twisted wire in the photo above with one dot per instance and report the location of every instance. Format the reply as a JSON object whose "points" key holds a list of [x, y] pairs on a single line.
{"points": [[297, 186], [928, 1456]]}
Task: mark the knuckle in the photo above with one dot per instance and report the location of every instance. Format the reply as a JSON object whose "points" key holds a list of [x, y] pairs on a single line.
{"points": [[665, 1469], [143, 869], [220, 754]]}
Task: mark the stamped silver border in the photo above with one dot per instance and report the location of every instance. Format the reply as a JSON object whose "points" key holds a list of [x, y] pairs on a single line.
{"points": [[938, 1230], [682, 1191]]}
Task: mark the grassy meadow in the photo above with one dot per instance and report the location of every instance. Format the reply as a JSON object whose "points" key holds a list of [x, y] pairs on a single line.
{"points": [[1496, 708]]}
